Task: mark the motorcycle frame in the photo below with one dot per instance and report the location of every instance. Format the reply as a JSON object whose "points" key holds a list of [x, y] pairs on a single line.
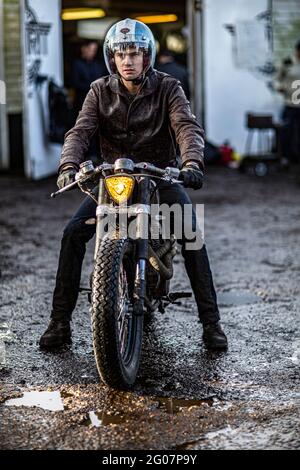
{"points": [[139, 211]]}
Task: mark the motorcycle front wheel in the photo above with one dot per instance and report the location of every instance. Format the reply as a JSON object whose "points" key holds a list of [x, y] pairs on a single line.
{"points": [[117, 332]]}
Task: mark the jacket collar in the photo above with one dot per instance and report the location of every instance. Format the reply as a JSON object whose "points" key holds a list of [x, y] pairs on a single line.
{"points": [[149, 86]]}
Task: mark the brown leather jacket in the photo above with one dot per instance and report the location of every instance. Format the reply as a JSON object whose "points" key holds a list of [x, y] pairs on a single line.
{"points": [[145, 127]]}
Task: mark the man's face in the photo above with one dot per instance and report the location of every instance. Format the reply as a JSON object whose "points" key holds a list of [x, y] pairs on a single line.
{"points": [[89, 52], [129, 63]]}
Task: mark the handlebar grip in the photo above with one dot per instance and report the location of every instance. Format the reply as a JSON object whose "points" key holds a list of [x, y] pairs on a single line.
{"points": [[151, 168], [168, 171], [64, 189]]}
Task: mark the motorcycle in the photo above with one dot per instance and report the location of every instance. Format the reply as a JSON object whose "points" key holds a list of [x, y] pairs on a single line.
{"points": [[132, 269]]}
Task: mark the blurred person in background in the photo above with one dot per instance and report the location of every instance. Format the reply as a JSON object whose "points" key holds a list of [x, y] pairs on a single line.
{"points": [[167, 64], [86, 70], [284, 83]]}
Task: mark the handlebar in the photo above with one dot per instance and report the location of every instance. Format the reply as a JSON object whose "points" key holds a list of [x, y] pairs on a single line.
{"points": [[87, 171], [163, 172]]}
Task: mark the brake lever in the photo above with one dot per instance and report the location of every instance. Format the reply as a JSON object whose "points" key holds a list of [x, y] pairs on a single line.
{"points": [[82, 178], [78, 180], [171, 180], [64, 189]]}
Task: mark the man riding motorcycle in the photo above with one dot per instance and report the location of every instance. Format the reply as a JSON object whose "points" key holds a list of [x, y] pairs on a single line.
{"points": [[138, 113]]}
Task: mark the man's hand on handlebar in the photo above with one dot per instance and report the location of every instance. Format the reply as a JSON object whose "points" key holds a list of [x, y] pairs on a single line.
{"points": [[66, 176], [191, 175]]}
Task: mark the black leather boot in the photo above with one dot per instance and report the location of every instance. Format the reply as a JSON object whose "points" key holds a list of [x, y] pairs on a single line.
{"points": [[57, 334], [198, 270], [214, 337]]}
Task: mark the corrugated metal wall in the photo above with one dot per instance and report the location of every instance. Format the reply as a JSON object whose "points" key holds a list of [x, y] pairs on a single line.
{"points": [[286, 27], [13, 56]]}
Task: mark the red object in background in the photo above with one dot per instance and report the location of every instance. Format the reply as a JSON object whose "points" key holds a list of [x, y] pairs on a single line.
{"points": [[226, 153]]}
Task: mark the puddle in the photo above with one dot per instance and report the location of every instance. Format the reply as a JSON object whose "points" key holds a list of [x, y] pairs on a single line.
{"points": [[66, 394], [176, 405], [233, 298], [253, 437], [2, 354], [46, 400], [167, 405], [5, 333], [228, 431], [296, 353], [5, 337], [97, 419]]}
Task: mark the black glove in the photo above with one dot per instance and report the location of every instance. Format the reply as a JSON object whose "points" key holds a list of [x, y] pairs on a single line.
{"points": [[66, 176], [192, 176]]}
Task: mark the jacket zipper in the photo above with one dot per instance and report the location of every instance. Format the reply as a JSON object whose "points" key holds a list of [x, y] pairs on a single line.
{"points": [[135, 98]]}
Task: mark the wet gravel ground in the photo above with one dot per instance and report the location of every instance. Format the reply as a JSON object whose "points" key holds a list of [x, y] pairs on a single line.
{"points": [[185, 397]]}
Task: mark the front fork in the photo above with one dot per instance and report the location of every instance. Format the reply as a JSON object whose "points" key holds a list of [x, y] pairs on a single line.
{"points": [[142, 227], [103, 198], [142, 231]]}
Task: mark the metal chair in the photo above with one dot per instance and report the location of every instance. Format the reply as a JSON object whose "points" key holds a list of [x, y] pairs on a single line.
{"points": [[267, 149]]}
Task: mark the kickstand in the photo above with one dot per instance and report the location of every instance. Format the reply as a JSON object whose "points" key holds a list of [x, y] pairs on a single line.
{"points": [[172, 298], [88, 291]]}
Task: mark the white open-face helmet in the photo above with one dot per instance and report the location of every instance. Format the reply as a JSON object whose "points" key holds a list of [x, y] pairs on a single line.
{"points": [[129, 33]]}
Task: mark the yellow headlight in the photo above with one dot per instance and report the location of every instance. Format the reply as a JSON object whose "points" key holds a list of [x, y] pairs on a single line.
{"points": [[119, 187]]}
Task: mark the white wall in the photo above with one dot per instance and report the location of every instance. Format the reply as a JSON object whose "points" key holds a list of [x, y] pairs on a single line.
{"points": [[41, 156], [230, 92]]}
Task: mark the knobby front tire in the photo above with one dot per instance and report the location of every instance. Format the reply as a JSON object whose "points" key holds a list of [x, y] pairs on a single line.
{"points": [[117, 349]]}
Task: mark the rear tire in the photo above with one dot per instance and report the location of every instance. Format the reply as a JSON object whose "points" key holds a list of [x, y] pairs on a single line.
{"points": [[117, 351]]}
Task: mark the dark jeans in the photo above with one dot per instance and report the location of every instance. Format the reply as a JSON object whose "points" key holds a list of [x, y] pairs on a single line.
{"points": [[77, 233], [289, 134]]}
